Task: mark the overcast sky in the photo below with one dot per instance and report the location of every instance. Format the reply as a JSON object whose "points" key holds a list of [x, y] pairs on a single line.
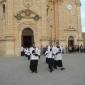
{"points": [[83, 14]]}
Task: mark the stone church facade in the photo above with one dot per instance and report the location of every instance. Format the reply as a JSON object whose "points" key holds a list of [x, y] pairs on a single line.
{"points": [[23, 22]]}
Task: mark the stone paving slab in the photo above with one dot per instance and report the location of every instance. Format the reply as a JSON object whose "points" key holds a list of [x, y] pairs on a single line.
{"points": [[15, 71]]}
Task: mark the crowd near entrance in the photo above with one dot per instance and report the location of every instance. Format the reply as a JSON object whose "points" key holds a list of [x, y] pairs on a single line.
{"points": [[27, 37]]}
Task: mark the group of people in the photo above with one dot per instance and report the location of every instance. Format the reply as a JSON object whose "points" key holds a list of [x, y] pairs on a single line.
{"points": [[53, 55], [75, 48], [33, 54]]}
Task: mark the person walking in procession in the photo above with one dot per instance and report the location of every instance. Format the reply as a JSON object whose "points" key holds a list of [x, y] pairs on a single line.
{"points": [[35, 55], [58, 58], [49, 58]]}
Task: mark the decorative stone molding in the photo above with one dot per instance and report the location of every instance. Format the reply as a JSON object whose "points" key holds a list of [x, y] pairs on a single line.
{"points": [[70, 28], [45, 38], [2, 1], [54, 1], [6, 38], [27, 14], [27, 3], [78, 3]]}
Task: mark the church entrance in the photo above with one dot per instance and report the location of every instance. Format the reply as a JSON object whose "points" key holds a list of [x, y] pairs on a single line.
{"points": [[71, 41], [71, 44], [27, 37]]}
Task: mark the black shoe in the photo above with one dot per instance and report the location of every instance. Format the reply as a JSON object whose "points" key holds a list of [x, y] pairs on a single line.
{"points": [[51, 70], [32, 71], [62, 69], [55, 67], [36, 72]]}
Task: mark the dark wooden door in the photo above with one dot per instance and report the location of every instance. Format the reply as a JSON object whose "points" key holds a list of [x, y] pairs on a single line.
{"points": [[27, 41]]}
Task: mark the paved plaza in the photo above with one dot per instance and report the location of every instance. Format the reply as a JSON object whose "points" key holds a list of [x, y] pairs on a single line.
{"points": [[15, 71]]}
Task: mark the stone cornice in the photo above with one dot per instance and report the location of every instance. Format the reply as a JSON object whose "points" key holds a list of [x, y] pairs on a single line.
{"points": [[7, 38]]}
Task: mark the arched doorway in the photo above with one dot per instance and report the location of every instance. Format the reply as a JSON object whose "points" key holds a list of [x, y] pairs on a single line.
{"points": [[71, 41], [71, 44], [27, 37]]}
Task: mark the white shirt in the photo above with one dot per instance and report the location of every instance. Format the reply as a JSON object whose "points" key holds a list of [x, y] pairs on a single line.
{"points": [[33, 57], [54, 51], [59, 55], [62, 48], [26, 50], [38, 51], [48, 53]]}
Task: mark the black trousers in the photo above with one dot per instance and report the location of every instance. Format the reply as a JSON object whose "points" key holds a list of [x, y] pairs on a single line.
{"points": [[47, 60], [22, 53], [50, 64], [33, 65], [58, 63], [55, 64], [84, 50]]}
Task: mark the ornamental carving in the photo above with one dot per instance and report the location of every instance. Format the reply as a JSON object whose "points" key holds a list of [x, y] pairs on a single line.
{"points": [[27, 14], [27, 3], [2, 1]]}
